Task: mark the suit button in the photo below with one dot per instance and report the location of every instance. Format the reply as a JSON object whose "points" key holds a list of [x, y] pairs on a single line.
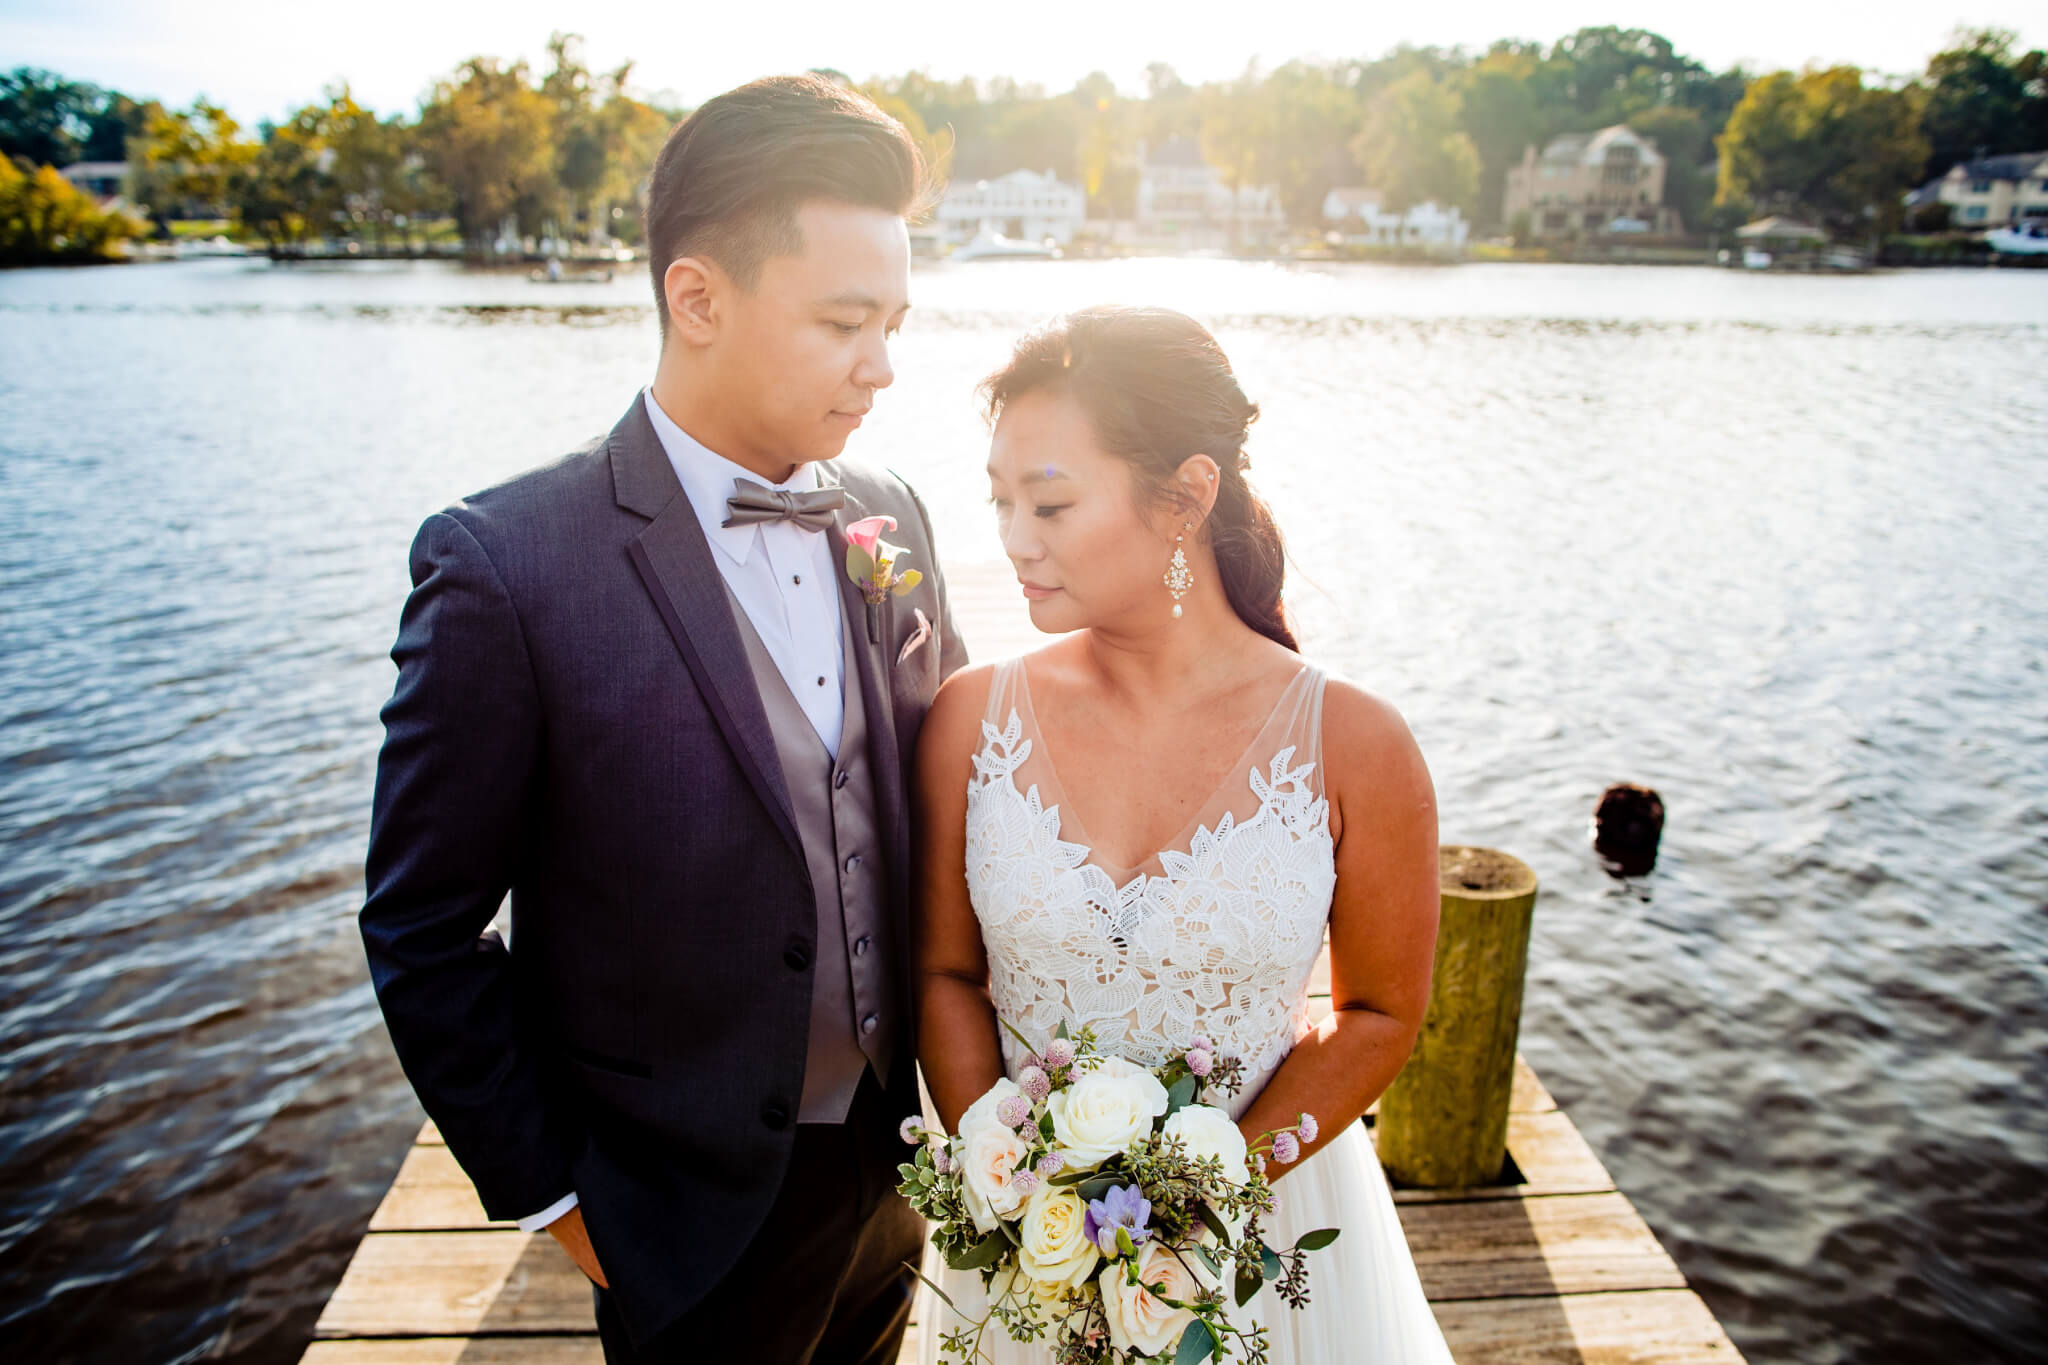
{"points": [[797, 955], [870, 1024], [775, 1114], [861, 945], [853, 863], [839, 779]]}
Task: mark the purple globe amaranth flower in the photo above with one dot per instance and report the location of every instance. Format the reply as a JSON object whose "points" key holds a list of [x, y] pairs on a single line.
{"points": [[1058, 1053], [1013, 1111], [1123, 1206], [1025, 1183], [1286, 1147], [942, 1160], [1051, 1164], [1200, 1062], [1307, 1128], [1035, 1084], [1201, 1043], [910, 1127]]}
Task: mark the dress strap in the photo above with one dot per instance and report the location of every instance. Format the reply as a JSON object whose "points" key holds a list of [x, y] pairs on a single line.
{"points": [[1003, 693]]}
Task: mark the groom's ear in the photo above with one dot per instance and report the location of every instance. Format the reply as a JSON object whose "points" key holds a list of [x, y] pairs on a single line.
{"points": [[689, 289]]}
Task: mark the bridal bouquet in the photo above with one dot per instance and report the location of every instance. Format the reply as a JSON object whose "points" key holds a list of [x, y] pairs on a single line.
{"points": [[1107, 1210]]}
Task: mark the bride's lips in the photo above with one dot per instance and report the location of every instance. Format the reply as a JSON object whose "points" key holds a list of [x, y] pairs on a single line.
{"points": [[1034, 591], [852, 418]]}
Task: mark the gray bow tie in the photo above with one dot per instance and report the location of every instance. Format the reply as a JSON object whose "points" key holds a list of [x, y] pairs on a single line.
{"points": [[752, 502]]}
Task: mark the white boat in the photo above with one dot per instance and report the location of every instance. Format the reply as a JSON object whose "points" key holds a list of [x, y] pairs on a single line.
{"points": [[2027, 239], [1755, 259], [990, 245]]}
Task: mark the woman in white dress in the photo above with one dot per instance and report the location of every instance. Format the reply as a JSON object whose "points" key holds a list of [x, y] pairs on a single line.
{"points": [[1146, 827]]}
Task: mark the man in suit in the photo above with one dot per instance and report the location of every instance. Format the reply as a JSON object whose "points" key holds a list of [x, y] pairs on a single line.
{"points": [[638, 689]]}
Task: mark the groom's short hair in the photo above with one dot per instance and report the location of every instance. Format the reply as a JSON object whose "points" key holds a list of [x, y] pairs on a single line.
{"points": [[729, 181]]}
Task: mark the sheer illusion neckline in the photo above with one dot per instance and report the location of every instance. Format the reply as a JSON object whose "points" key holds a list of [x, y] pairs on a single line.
{"points": [[1073, 830]]}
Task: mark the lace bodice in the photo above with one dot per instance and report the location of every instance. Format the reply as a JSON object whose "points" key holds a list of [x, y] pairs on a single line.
{"points": [[1217, 935]]}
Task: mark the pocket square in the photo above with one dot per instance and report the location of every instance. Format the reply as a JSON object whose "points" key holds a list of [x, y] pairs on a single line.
{"points": [[924, 633]]}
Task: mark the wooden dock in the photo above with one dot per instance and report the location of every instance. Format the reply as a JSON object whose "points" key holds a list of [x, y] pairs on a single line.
{"points": [[1558, 1268]]}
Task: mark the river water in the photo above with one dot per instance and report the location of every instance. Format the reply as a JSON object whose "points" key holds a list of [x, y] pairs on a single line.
{"points": [[1771, 545]]}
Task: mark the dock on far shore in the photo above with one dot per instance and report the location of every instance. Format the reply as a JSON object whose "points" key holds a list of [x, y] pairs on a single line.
{"points": [[1557, 1268]]}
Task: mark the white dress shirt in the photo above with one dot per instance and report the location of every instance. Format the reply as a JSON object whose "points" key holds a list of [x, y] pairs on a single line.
{"points": [[782, 575]]}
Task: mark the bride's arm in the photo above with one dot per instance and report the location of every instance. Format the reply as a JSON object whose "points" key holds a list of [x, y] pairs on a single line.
{"points": [[957, 1045], [1382, 922]]}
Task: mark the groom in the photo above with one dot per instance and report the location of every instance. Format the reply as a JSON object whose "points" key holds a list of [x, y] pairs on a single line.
{"points": [[638, 689]]}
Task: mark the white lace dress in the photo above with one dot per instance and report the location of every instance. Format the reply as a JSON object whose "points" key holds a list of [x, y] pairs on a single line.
{"points": [[1216, 935]]}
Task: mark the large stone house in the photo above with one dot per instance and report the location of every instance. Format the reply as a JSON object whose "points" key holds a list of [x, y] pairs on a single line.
{"points": [[1585, 184]]}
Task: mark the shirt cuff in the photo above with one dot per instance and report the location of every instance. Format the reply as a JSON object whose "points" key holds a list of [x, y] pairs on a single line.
{"points": [[534, 1222]]}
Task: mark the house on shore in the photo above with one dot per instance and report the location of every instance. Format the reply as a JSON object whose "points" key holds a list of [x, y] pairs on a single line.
{"points": [[1356, 216], [1589, 184], [1990, 192], [1024, 205]]}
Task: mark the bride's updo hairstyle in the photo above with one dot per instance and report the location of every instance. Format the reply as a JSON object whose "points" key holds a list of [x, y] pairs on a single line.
{"points": [[1157, 388]]}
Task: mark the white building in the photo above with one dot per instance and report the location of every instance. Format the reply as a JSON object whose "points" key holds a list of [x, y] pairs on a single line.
{"points": [[1996, 191], [1023, 205], [1357, 216], [1183, 197]]}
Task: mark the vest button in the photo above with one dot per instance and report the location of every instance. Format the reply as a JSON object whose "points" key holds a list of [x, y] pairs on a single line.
{"points": [[870, 1024], [839, 779], [775, 1114], [853, 863], [797, 955], [861, 945]]}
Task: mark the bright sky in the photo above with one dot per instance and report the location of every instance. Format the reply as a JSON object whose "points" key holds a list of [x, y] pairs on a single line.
{"points": [[262, 58]]}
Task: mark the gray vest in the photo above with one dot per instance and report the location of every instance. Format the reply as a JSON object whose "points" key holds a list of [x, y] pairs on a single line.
{"points": [[852, 1019]]}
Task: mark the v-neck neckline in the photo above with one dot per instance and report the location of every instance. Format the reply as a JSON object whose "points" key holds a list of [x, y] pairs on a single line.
{"points": [[1073, 830]]}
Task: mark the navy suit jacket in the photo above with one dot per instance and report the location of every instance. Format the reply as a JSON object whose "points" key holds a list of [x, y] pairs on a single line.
{"points": [[575, 722]]}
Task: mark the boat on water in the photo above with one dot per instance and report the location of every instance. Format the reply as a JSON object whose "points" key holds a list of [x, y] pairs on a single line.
{"points": [[2029, 238], [990, 245]]}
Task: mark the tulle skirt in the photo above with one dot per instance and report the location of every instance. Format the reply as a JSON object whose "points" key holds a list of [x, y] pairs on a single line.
{"points": [[1366, 1303]]}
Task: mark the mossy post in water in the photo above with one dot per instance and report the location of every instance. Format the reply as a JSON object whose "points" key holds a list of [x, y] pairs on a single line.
{"points": [[1443, 1123]]}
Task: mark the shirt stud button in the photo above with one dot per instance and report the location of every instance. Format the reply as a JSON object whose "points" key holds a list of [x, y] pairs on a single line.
{"points": [[870, 1024], [821, 680], [797, 579]]}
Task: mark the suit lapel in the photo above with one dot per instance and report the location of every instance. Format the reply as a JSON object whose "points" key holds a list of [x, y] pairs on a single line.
{"points": [[867, 656], [674, 561]]}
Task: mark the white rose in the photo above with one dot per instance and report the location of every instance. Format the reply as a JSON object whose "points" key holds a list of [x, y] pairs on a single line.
{"points": [[1207, 1132], [1056, 1250], [1137, 1318], [988, 1154], [1105, 1111]]}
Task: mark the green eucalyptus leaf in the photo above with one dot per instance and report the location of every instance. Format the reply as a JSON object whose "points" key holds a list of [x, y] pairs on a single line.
{"points": [[1198, 1343], [1270, 1263], [986, 1252], [1247, 1286], [944, 1297], [1207, 1258], [1180, 1095], [860, 565], [1317, 1240]]}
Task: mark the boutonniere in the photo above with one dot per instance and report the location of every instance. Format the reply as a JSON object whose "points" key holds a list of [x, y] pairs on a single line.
{"points": [[871, 562]]}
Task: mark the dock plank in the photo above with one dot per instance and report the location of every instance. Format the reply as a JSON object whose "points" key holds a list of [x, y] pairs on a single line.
{"points": [[1547, 1245], [1666, 1326]]}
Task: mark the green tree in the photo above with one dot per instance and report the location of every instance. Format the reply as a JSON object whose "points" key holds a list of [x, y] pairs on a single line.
{"points": [[1305, 121], [190, 161], [1500, 110], [284, 192], [1412, 148], [1823, 144], [1982, 100], [488, 136]]}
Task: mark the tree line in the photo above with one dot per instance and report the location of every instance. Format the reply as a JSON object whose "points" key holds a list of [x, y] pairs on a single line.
{"points": [[563, 152]]}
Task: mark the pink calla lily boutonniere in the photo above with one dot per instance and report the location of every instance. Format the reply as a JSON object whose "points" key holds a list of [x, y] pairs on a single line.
{"points": [[871, 563]]}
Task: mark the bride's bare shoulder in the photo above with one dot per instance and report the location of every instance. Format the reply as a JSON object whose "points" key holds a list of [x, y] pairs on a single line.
{"points": [[1366, 737]]}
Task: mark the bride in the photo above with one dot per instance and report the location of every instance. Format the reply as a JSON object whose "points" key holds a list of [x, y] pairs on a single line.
{"points": [[1146, 827]]}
